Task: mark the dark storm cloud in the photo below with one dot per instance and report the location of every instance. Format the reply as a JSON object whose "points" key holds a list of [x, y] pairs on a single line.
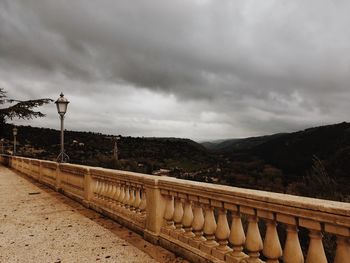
{"points": [[244, 67]]}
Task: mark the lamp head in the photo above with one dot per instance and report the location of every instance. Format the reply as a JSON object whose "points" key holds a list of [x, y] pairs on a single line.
{"points": [[62, 104]]}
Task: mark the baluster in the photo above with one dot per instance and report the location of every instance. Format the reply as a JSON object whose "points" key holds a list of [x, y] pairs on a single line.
{"points": [[169, 214], [187, 222], [209, 230], [188, 219], [315, 252], [178, 215], [292, 252], [112, 193], [197, 226], [96, 188], [132, 198], [137, 200], [143, 204], [108, 192], [121, 197], [127, 196], [272, 246], [222, 234], [237, 239], [254, 242], [101, 193], [116, 195], [342, 253], [105, 190]]}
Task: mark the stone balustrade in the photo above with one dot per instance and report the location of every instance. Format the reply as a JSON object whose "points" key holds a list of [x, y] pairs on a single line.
{"points": [[204, 222], [212, 219]]}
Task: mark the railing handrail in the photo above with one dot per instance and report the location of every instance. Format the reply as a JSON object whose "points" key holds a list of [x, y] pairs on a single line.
{"points": [[225, 193]]}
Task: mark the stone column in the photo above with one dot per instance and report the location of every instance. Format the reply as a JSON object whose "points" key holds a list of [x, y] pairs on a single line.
{"points": [[154, 210]]}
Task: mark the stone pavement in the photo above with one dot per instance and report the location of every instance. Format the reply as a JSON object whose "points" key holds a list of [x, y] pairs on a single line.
{"points": [[38, 224]]}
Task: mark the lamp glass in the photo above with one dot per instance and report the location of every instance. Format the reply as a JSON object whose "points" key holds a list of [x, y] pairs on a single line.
{"points": [[62, 107], [62, 104]]}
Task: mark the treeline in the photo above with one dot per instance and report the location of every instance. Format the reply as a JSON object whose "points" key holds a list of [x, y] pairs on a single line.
{"points": [[135, 153], [286, 162], [314, 162]]}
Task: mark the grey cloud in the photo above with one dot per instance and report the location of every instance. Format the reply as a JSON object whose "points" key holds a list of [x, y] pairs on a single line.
{"points": [[270, 66]]}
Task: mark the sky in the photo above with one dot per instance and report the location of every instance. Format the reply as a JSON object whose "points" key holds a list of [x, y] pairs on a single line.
{"points": [[196, 69]]}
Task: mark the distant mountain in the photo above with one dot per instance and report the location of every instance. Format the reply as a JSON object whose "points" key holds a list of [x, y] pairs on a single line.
{"points": [[238, 144], [293, 152], [313, 162]]}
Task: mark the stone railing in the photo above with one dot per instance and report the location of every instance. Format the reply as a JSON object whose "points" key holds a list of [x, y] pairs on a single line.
{"points": [[204, 222]]}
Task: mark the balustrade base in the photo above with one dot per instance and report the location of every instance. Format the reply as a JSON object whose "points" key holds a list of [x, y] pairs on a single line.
{"points": [[220, 254], [86, 204], [230, 258], [166, 230], [185, 238], [252, 260], [151, 237], [207, 248], [195, 243], [120, 218], [48, 184], [176, 233], [77, 198], [185, 250]]}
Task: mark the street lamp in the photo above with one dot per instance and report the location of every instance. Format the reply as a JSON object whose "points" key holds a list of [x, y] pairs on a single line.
{"points": [[115, 152], [62, 104], [2, 145], [14, 130]]}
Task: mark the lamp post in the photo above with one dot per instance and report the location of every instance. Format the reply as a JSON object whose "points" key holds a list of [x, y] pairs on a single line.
{"points": [[14, 130], [62, 104], [115, 152], [2, 145]]}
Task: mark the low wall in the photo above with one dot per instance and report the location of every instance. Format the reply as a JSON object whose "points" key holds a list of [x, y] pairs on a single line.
{"points": [[199, 221]]}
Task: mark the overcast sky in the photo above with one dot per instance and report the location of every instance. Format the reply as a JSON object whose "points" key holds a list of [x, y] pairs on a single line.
{"points": [[199, 69]]}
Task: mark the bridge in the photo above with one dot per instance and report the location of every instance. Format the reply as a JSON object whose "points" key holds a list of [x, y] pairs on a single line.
{"points": [[198, 221]]}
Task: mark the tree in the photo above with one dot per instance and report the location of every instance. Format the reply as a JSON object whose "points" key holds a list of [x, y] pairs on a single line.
{"points": [[20, 109]]}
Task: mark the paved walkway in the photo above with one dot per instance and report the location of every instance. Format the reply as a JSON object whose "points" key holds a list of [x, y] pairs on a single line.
{"points": [[38, 224]]}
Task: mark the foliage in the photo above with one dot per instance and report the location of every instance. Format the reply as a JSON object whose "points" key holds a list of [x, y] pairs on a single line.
{"points": [[293, 154], [319, 177], [135, 153], [20, 109], [258, 167], [318, 183]]}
